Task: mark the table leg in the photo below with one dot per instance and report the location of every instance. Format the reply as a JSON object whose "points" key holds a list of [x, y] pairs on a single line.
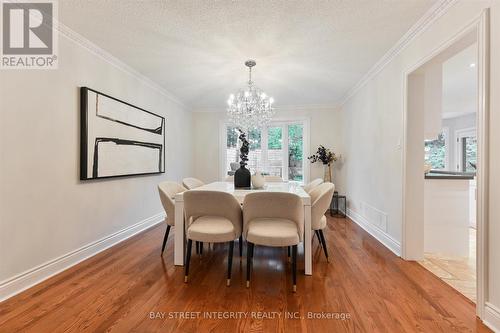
{"points": [[179, 234], [307, 240]]}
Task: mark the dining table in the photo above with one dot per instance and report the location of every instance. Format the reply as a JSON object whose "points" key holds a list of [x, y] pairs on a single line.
{"points": [[239, 194]]}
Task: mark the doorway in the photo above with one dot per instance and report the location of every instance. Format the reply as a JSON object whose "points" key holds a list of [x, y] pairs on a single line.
{"points": [[454, 151]]}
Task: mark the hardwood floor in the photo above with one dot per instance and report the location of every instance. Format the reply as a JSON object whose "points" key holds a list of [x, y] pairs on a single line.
{"points": [[365, 288]]}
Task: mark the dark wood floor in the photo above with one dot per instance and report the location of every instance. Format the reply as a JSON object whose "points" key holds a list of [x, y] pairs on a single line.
{"points": [[364, 287]]}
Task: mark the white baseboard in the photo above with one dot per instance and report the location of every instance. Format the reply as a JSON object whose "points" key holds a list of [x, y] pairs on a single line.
{"points": [[492, 317], [380, 235], [31, 277]]}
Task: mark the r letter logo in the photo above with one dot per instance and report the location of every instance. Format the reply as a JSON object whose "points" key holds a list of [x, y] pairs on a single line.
{"points": [[29, 39]]}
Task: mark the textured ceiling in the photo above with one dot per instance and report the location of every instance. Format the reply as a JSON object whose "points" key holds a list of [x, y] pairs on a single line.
{"points": [[307, 52]]}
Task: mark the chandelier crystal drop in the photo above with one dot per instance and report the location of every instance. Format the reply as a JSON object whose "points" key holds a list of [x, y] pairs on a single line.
{"points": [[250, 107]]}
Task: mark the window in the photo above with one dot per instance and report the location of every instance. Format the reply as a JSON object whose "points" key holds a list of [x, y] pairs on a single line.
{"points": [[295, 152], [466, 153], [255, 155], [231, 148], [469, 154], [276, 150], [436, 151]]}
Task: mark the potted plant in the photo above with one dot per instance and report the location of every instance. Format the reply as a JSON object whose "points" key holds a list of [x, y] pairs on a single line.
{"points": [[327, 157]]}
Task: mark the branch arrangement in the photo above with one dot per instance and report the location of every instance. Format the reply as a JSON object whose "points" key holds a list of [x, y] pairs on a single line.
{"points": [[324, 155], [244, 148]]}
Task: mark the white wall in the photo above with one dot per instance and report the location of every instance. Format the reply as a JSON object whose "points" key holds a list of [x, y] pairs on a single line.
{"points": [[45, 211], [374, 131], [325, 129]]}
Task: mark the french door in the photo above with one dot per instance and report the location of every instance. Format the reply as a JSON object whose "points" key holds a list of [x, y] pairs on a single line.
{"points": [[277, 150]]}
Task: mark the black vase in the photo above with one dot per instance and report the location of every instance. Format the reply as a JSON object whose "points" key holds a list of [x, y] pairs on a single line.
{"points": [[242, 177]]}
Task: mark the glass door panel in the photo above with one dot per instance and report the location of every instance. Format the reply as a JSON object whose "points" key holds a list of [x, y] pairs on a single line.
{"points": [[275, 151], [255, 158], [232, 151], [469, 153], [295, 152]]}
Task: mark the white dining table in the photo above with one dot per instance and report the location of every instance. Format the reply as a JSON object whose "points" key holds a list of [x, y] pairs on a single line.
{"points": [[290, 187]]}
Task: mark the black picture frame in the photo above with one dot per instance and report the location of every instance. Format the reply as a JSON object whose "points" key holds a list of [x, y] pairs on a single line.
{"points": [[84, 112]]}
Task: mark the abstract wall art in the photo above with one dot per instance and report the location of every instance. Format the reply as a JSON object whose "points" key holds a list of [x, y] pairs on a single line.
{"points": [[118, 139]]}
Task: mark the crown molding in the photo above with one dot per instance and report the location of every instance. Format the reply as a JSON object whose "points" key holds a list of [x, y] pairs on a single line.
{"points": [[208, 110], [78, 39], [435, 12], [326, 107]]}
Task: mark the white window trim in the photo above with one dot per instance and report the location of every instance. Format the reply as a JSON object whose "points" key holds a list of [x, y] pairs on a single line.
{"points": [[275, 122], [459, 134], [447, 146]]}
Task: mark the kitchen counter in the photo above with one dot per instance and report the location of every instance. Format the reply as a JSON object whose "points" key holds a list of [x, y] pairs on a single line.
{"points": [[436, 174], [447, 207]]}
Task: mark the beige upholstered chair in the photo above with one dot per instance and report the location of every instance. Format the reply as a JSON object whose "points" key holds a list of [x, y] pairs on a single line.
{"points": [[321, 197], [167, 191], [212, 217], [273, 219], [192, 183], [309, 187], [273, 179]]}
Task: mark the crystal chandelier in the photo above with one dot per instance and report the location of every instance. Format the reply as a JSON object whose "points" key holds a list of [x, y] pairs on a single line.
{"points": [[250, 107]]}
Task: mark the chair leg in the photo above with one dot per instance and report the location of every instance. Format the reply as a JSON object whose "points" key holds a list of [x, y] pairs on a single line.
{"points": [[323, 241], [188, 259], [288, 252], [197, 247], [201, 248], [294, 267], [229, 263], [249, 261], [241, 247], [165, 240]]}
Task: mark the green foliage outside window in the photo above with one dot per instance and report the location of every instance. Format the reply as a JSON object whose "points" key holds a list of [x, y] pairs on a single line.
{"points": [[254, 137], [232, 137], [435, 152], [470, 154], [274, 138], [295, 145], [295, 149]]}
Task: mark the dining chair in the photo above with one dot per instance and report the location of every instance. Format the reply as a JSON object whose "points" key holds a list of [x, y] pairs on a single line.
{"points": [[321, 197], [212, 217], [167, 191], [274, 219], [309, 187], [273, 179], [192, 183]]}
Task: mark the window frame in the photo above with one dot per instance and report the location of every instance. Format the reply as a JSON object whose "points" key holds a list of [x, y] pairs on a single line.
{"points": [[277, 122], [459, 135]]}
